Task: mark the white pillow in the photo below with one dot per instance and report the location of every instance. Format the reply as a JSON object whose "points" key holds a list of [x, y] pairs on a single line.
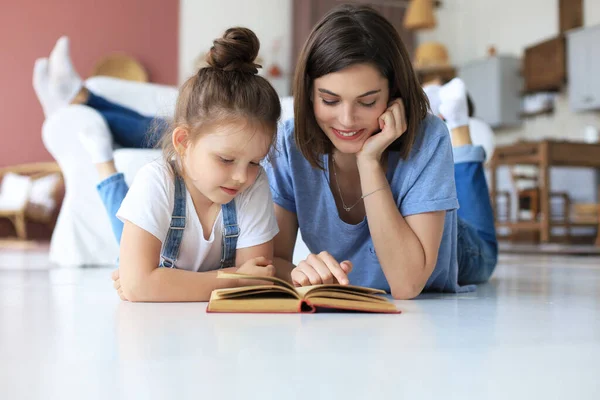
{"points": [[14, 191], [42, 191]]}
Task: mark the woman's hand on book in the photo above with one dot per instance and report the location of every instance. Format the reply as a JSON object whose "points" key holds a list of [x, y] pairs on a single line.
{"points": [[258, 266], [321, 268]]}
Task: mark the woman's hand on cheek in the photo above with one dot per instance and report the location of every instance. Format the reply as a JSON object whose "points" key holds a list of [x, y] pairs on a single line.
{"points": [[319, 269], [392, 124]]}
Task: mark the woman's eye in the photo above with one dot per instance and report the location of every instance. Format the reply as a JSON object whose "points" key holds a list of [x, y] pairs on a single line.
{"points": [[225, 160], [329, 102], [255, 164], [371, 104]]}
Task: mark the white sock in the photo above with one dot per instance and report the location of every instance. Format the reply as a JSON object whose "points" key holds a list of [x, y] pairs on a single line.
{"points": [[97, 141], [433, 94], [65, 83], [453, 103], [41, 86]]}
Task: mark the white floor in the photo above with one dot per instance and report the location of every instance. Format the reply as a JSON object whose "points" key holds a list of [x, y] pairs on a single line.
{"points": [[532, 333]]}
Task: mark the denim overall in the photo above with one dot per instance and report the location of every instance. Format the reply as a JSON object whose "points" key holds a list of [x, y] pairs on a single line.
{"points": [[113, 190], [231, 230]]}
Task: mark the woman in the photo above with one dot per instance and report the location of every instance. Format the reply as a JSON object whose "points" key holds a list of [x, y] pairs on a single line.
{"points": [[367, 174]]}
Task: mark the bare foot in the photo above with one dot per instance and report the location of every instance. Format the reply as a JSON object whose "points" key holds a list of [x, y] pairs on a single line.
{"points": [[461, 136], [81, 97], [106, 169]]}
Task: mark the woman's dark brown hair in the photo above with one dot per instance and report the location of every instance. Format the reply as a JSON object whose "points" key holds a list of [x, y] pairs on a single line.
{"points": [[227, 89], [348, 35]]}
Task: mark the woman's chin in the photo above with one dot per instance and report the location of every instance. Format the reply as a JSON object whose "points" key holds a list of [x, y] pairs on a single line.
{"points": [[348, 147]]}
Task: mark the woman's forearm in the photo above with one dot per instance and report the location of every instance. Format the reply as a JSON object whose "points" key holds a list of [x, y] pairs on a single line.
{"points": [[398, 248]]}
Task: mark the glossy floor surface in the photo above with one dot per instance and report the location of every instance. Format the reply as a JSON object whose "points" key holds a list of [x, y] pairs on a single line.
{"points": [[533, 332]]}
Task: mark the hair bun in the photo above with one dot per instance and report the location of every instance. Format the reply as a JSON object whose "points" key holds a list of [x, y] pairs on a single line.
{"points": [[235, 51]]}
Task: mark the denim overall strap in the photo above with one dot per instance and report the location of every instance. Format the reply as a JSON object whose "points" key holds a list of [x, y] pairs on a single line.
{"points": [[172, 243], [231, 231]]}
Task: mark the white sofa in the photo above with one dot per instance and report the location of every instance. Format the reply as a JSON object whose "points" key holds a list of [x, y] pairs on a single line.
{"points": [[83, 235]]}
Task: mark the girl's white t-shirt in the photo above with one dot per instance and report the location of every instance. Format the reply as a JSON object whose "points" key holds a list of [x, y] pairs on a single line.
{"points": [[149, 205]]}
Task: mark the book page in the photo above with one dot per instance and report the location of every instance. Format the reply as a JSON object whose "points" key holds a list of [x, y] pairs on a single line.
{"points": [[353, 305], [265, 290], [233, 275], [340, 294], [305, 290]]}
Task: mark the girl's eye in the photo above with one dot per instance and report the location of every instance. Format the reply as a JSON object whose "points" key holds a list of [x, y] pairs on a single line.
{"points": [[329, 102], [255, 164], [371, 104], [225, 160]]}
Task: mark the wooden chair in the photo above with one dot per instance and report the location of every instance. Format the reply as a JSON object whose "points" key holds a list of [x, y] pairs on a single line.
{"points": [[29, 211], [527, 189], [589, 213]]}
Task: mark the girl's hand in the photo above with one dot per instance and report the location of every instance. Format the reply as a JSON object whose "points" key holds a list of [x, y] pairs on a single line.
{"points": [[321, 268], [117, 284], [392, 124], [259, 266]]}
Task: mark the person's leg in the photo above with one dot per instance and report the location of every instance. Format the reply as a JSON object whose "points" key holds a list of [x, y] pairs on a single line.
{"points": [[129, 128], [96, 139], [477, 246], [112, 191], [57, 84]]}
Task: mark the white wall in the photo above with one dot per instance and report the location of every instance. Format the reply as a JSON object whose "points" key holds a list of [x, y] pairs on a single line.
{"points": [[201, 21], [468, 27]]}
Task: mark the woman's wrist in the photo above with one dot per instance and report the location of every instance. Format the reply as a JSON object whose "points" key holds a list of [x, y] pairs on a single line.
{"points": [[368, 165], [372, 175]]}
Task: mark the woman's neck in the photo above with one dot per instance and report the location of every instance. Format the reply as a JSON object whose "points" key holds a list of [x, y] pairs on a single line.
{"points": [[344, 162]]}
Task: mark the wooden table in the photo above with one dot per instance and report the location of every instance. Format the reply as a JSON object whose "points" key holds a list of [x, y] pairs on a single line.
{"points": [[544, 154]]}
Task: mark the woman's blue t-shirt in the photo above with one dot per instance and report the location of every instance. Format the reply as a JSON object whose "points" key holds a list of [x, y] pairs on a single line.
{"points": [[424, 182]]}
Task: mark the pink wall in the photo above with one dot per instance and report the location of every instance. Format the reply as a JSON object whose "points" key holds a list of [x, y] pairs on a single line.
{"points": [[144, 29]]}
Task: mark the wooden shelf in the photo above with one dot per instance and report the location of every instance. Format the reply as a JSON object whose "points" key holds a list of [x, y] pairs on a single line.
{"points": [[545, 111]]}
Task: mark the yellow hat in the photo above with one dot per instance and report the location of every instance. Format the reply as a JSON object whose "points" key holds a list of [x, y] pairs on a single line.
{"points": [[419, 15], [431, 56], [121, 66]]}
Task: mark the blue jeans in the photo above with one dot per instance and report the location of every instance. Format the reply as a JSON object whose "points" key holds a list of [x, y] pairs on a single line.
{"points": [[477, 247], [129, 128], [112, 191]]}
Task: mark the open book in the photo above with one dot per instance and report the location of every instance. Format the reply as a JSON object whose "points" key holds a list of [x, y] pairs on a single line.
{"points": [[282, 297]]}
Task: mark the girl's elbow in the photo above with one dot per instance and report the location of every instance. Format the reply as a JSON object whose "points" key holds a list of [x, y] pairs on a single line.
{"points": [[135, 290]]}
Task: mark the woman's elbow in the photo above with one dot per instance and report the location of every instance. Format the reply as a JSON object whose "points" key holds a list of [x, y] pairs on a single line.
{"points": [[406, 292], [409, 289]]}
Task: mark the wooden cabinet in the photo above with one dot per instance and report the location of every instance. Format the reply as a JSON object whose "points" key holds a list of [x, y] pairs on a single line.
{"points": [[544, 65], [584, 68], [570, 14], [306, 13], [494, 85]]}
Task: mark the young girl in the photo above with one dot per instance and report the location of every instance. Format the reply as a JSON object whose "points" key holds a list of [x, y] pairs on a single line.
{"points": [[207, 206], [367, 174]]}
